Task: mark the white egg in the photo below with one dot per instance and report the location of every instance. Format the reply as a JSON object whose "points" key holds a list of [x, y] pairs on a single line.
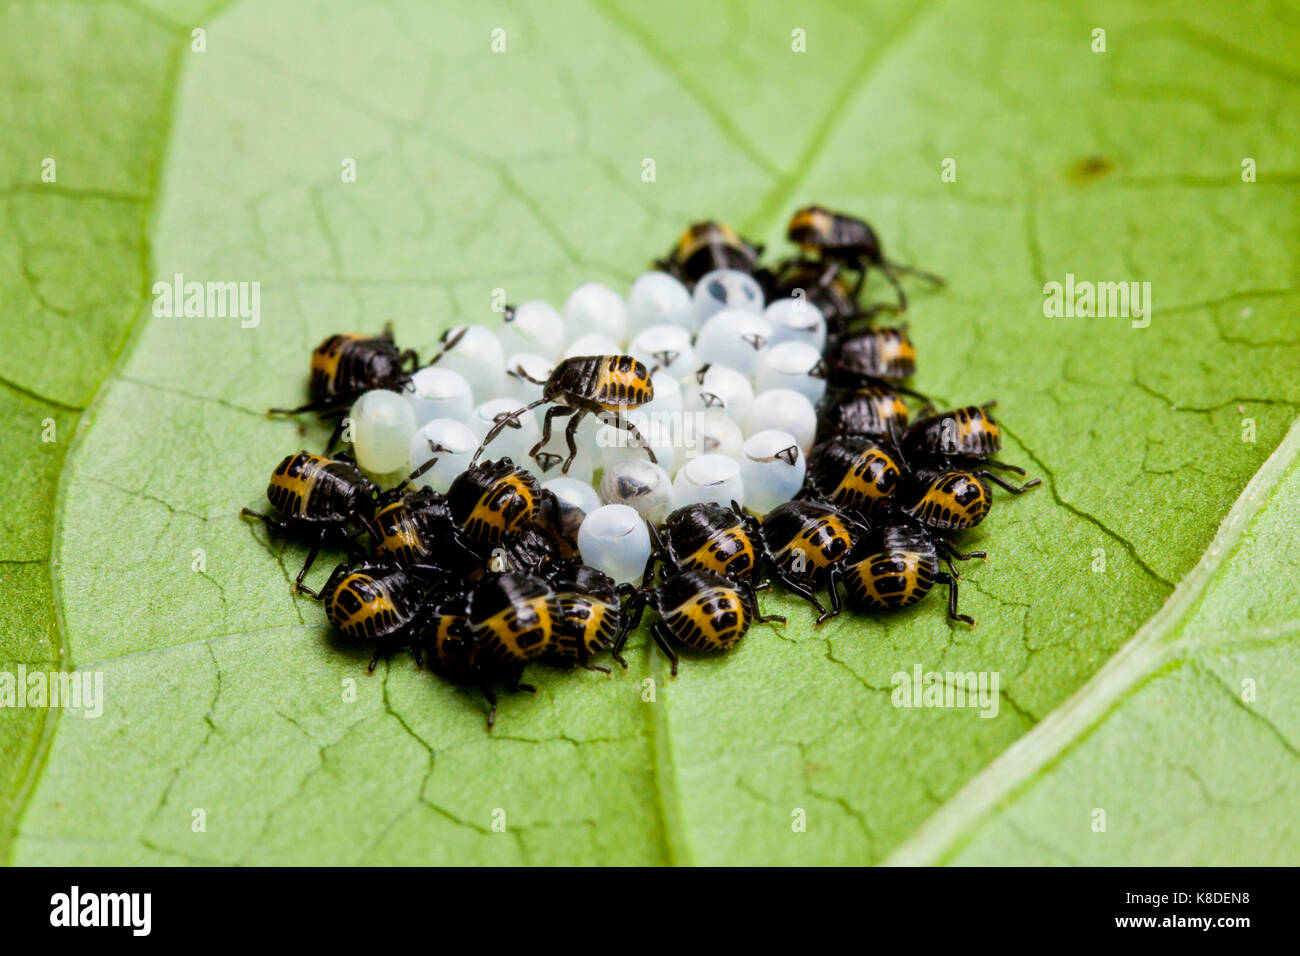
{"points": [[665, 348], [593, 308], [640, 485], [797, 320], [614, 539], [713, 433], [772, 466], [451, 442], [794, 365], [659, 420], [713, 478], [594, 343], [437, 392], [786, 410], [516, 439], [735, 338], [720, 388], [382, 425], [475, 352], [550, 457], [533, 327], [526, 375], [668, 398], [616, 444], [656, 298], [575, 499], [725, 289]]}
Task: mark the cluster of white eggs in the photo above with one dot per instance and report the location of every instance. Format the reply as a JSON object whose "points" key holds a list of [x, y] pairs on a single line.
{"points": [[736, 382]]}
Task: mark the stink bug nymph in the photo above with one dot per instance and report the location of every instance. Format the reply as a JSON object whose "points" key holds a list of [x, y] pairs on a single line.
{"points": [[456, 647], [946, 501], [415, 530], [491, 504], [879, 357], [322, 502], [897, 564], [373, 602], [348, 364], [591, 615], [872, 411], [962, 440], [710, 537], [600, 384], [853, 472], [806, 543], [704, 611], [843, 240], [512, 619], [822, 288], [706, 246]]}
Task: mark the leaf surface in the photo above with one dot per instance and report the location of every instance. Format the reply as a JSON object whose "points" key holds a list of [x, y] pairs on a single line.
{"points": [[523, 171]]}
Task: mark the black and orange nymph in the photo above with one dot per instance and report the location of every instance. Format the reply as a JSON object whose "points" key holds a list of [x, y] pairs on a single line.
{"points": [[493, 505], [319, 501], [881, 357], [841, 241], [702, 610], [853, 472], [512, 617], [706, 246], [714, 538], [606, 385], [452, 649], [871, 411], [965, 439], [416, 530], [806, 543], [897, 563], [592, 617], [945, 501], [376, 604], [347, 364], [811, 281]]}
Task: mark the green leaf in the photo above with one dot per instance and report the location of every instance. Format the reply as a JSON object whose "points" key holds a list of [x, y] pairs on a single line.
{"points": [[522, 171], [73, 270], [1183, 748]]}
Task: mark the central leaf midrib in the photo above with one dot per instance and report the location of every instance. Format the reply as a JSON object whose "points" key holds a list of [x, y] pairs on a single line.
{"points": [[766, 217]]}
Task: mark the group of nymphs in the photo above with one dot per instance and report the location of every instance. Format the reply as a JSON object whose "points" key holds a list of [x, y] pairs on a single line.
{"points": [[487, 578]]}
